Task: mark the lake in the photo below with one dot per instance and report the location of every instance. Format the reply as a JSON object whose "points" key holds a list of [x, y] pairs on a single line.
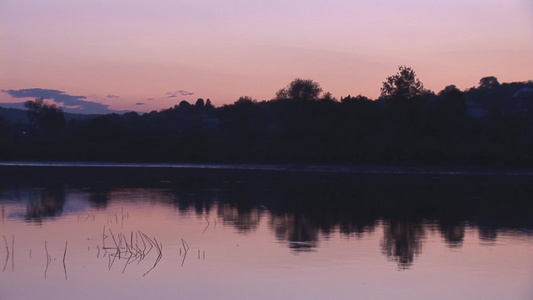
{"points": [[87, 231]]}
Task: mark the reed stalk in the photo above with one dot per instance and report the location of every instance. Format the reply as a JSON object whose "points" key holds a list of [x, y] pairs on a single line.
{"points": [[159, 248], [7, 254], [48, 259], [13, 253], [208, 223], [104, 236], [185, 249], [64, 258]]}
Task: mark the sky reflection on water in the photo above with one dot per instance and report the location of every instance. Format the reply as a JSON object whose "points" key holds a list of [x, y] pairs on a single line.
{"points": [[266, 237]]}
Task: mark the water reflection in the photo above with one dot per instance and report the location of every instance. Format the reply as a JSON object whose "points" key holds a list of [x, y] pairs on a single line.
{"points": [[299, 231], [99, 197], [453, 232], [243, 218], [301, 210], [45, 203], [402, 241]]}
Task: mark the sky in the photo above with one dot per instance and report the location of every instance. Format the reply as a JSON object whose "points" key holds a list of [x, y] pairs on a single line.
{"points": [[101, 56]]}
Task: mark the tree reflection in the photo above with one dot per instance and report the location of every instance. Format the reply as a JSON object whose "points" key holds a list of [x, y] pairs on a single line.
{"points": [[488, 233], [301, 209], [45, 204], [453, 233], [100, 197], [300, 232], [402, 241], [244, 219]]}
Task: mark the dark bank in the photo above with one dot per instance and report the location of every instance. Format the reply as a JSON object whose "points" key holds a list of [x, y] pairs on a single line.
{"points": [[487, 125]]}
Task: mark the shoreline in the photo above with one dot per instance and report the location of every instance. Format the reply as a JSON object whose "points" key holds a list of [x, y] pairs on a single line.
{"points": [[136, 174], [300, 168]]}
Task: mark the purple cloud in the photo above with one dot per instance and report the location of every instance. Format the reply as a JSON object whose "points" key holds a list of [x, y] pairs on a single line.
{"points": [[69, 103]]}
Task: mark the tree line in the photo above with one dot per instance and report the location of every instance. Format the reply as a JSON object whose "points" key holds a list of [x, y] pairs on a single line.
{"points": [[490, 124]]}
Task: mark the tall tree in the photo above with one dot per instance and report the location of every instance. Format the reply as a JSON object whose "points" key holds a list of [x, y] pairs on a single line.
{"points": [[402, 85]]}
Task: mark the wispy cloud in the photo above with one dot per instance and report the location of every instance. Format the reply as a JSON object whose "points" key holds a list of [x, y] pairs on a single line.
{"points": [[179, 92], [139, 103], [185, 93], [112, 96], [70, 103]]}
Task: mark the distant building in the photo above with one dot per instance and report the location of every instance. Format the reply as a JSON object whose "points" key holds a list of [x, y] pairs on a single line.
{"points": [[521, 102]]}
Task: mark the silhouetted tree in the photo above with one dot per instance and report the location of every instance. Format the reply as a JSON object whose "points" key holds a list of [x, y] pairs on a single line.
{"points": [[209, 105], [184, 104], [403, 85], [199, 103], [103, 128], [328, 97], [4, 135], [453, 102], [4, 128], [245, 100], [300, 89], [488, 82], [407, 125], [449, 89], [48, 118], [239, 120], [492, 97]]}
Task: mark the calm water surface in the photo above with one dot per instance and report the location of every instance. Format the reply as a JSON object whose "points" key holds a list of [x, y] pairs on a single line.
{"points": [[249, 234]]}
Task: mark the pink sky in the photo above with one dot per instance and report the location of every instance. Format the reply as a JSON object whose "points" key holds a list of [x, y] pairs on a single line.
{"points": [[123, 53]]}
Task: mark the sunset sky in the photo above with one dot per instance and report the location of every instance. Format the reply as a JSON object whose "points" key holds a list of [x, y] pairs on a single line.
{"points": [[95, 56]]}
